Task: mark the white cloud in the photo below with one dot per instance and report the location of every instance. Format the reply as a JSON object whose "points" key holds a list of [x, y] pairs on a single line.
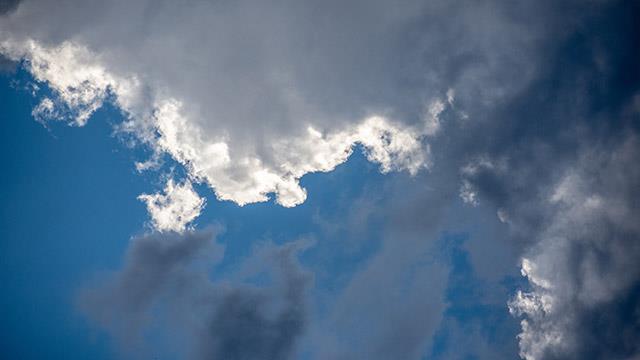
{"points": [[175, 208], [251, 96], [234, 171], [248, 179], [432, 115], [45, 110], [74, 74], [468, 193]]}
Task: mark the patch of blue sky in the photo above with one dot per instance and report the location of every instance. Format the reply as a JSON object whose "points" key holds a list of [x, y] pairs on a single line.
{"points": [[68, 208]]}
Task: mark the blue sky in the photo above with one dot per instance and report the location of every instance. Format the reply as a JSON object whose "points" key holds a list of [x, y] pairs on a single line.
{"points": [[299, 180]]}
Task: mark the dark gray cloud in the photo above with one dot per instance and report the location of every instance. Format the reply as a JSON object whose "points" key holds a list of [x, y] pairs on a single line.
{"points": [[557, 161], [8, 5], [170, 272], [582, 266], [242, 326]]}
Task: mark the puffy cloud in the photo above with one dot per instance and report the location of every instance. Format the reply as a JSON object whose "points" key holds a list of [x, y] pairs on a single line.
{"points": [[249, 179], [238, 117], [561, 180], [77, 78], [251, 96], [218, 320], [564, 178], [176, 208], [584, 263]]}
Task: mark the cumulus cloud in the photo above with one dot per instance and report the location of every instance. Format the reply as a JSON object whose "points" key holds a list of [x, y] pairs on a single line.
{"points": [[251, 96], [174, 209], [251, 109], [217, 320], [584, 264], [238, 117], [563, 182]]}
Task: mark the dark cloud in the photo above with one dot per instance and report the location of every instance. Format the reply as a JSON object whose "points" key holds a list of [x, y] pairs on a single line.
{"points": [[582, 267], [242, 326], [7, 6], [245, 325], [217, 320], [558, 161]]}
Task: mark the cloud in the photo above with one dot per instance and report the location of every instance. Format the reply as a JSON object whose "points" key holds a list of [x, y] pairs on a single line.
{"points": [[7, 6], [176, 208], [561, 178], [237, 118], [153, 264], [244, 328], [583, 264], [393, 304], [251, 109], [218, 320], [527, 109]]}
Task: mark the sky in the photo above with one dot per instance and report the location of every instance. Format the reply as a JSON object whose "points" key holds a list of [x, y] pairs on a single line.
{"points": [[320, 180]]}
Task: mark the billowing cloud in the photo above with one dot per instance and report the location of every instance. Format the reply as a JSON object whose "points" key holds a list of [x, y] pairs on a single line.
{"points": [[174, 209], [218, 320], [237, 117], [526, 108], [563, 182], [250, 96], [584, 297]]}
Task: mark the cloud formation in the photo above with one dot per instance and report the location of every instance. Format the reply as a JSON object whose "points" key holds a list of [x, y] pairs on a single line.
{"points": [[240, 116], [562, 180], [584, 299], [217, 320], [528, 109], [252, 96], [175, 208]]}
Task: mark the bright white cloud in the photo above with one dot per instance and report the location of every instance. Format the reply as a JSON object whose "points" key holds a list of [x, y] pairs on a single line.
{"points": [[249, 179], [175, 208], [74, 74], [45, 111], [251, 96], [235, 172]]}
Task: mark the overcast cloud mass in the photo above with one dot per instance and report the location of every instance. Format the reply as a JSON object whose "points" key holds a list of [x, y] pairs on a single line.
{"points": [[502, 218]]}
